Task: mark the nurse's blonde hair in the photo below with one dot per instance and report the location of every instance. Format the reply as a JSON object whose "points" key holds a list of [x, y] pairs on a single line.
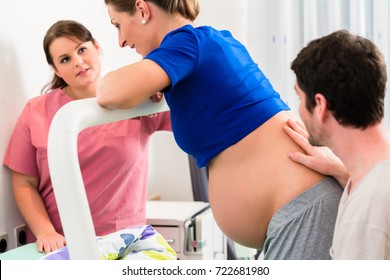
{"points": [[187, 8]]}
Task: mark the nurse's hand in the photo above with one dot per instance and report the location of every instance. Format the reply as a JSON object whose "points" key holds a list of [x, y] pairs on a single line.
{"points": [[320, 159], [50, 242]]}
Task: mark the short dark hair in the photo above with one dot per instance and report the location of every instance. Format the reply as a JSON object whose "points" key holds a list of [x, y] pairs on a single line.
{"points": [[350, 71]]}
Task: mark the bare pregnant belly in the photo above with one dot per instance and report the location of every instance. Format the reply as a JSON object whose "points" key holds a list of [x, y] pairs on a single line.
{"points": [[251, 180]]}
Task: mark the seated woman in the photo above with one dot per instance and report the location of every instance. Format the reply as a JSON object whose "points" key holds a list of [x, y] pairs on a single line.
{"points": [[113, 157], [226, 114]]}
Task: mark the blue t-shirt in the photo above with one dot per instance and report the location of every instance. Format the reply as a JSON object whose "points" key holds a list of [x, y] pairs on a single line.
{"points": [[218, 95]]}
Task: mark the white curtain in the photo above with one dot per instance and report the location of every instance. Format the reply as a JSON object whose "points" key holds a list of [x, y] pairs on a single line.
{"points": [[381, 36], [275, 31]]}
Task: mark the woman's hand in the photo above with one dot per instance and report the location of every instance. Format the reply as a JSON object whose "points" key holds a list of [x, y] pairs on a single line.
{"points": [[50, 242], [157, 97], [320, 159], [33, 210]]}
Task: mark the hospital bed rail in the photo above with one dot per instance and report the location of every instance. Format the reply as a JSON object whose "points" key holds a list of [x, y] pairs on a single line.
{"points": [[65, 171]]}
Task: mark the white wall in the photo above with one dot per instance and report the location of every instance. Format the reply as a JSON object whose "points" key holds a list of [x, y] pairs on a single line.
{"points": [[273, 30]]}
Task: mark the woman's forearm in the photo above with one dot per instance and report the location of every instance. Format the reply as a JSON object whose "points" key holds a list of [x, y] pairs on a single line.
{"points": [[33, 210]]}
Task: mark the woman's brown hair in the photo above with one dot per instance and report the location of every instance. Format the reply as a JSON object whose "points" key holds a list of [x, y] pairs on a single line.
{"points": [[187, 8]]}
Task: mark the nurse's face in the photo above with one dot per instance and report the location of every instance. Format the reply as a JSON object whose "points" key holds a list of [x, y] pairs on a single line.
{"points": [[76, 62]]}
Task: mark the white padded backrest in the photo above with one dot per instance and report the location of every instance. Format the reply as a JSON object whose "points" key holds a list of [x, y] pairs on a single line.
{"points": [[65, 169]]}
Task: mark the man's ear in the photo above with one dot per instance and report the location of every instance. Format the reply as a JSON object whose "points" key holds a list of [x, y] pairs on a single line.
{"points": [[321, 107]]}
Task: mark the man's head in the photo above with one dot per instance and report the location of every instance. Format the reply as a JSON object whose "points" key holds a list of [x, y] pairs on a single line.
{"points": [[349, 72]]}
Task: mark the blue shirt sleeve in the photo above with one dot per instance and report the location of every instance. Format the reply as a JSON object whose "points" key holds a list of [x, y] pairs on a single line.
{"points": [[178, 55]]}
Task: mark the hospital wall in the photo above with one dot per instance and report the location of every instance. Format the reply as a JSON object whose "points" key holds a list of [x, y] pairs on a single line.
{"points": [[273, 30]]}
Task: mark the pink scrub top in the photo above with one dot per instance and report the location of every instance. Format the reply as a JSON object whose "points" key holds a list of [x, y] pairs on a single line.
{"points": [[113, 160]]}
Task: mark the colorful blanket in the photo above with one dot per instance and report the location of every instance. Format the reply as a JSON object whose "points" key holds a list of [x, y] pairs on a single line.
{"points": [[140, 243]]}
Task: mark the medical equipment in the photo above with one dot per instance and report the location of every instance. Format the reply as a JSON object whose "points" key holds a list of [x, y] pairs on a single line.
{"points": [[189, 228], [65, 170]]}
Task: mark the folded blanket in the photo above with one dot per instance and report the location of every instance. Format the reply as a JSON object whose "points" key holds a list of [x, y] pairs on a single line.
{"points": [[140, 243]]}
